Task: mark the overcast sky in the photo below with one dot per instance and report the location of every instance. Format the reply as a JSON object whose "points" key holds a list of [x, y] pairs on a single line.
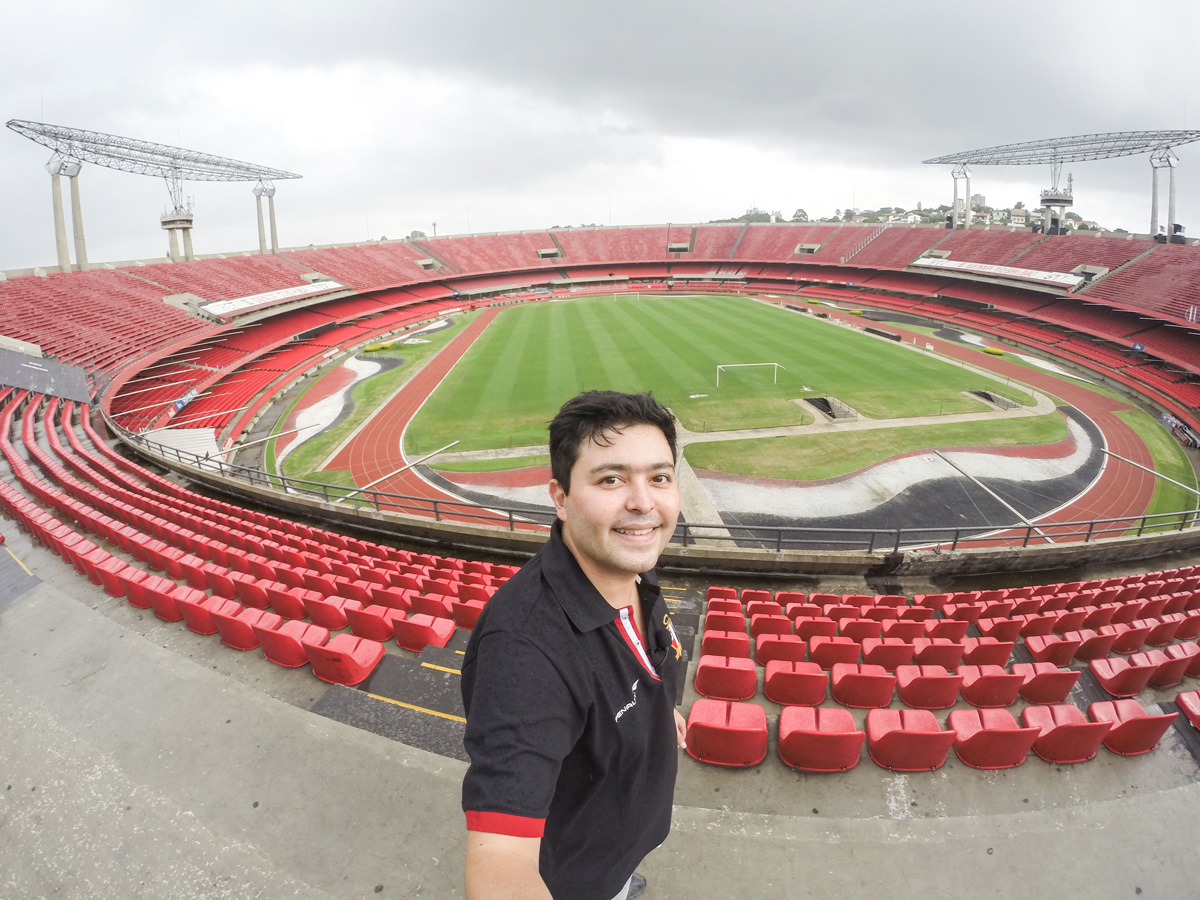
{"points": [[502, 115]]}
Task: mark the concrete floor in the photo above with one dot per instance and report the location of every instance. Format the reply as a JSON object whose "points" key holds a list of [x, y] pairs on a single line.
{"points": [[140, 760]]}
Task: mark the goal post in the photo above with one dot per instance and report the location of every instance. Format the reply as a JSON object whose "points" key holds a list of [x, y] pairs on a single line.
{"points": [[628, 295], [774, 372]]}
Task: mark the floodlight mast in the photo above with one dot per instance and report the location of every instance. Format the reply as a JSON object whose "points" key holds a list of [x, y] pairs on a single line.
{"points": [[1081, 148], [74, 146]]}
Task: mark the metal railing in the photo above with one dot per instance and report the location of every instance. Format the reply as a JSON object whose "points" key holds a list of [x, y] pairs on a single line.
{"points": [[770, 538]]}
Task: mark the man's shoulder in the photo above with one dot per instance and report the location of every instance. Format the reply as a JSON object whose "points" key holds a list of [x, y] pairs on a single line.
{"points": [[525, 604]]}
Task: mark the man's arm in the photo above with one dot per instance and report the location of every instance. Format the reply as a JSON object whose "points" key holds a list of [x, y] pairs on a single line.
{"points": [[503, 867], [680, 731]]}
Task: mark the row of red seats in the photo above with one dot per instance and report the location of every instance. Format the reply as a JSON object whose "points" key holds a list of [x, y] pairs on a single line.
{"points": [[911, 740]]}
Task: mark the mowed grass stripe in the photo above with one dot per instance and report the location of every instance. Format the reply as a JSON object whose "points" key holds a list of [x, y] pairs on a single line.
{"points": [[535, 357]]}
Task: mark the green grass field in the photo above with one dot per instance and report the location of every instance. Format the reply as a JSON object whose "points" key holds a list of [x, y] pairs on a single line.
{"points": [[534, 358]]}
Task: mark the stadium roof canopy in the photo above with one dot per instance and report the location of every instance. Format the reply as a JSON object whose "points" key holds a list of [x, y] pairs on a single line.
{"points": [[143, 157], [1071, 149]]}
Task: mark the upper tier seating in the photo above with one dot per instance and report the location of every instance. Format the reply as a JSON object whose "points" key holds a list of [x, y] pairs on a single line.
{"points": [[224, 279], [777, 243], [367, 266], [1062, 253], [993, 247], [896, 247], [490, 252], [613, 245], [715, 241], [1163, 282]]}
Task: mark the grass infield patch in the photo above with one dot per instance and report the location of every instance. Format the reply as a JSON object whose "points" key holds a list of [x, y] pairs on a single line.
{"points": [[493, 465], [532, 359], [827, 455]]}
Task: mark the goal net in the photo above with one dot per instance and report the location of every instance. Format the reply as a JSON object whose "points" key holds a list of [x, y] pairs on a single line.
{"points": [[774, 371]]}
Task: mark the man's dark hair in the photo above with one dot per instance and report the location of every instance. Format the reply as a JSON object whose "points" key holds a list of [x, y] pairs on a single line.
{"points": [[592, 416]]}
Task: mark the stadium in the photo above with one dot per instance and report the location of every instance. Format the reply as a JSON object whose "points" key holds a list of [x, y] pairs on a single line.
{"points": [[938, 575]]}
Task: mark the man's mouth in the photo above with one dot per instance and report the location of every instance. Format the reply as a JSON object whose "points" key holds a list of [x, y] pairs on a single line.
{"points": [[636, 532]]}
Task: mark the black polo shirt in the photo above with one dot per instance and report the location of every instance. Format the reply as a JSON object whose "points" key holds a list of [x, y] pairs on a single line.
{"points": [[569, 723]]}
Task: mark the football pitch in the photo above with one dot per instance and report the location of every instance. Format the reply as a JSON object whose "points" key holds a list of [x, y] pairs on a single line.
{"points": [[533, 358]]}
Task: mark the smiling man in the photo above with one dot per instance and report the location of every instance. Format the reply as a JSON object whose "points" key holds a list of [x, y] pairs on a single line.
{"points": [[570, 677]]}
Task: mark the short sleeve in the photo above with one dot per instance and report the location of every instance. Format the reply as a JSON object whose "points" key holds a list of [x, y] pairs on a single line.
{"points": [[522, 721]]}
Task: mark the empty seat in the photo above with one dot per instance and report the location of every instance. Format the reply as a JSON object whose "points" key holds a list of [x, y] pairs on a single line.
{"points": [[769, 623], [284, 646], [809, 627], [986, 651], [345, 659], [1066, 736], [1189, 704], [723, 604], [819, 740], [374, 622], [1134, 731], [904, 629], [724, 592], [862, 685], [727, 733], [1000, 629], [1036, 623], [726, 677], [1189, 650], [1045, 682], [762, 608], [938, 651], [927, 686], [724, 621], [1128, 638], [860, 629], [990, 738], [754, 595], [779, 646], [1168, 670], [196, 607], [828, 651], [989, 686], [328, 612], [793, 683], [725, 643], [1054, 649], [1122, 677], [951, 629], [907, 740], [235, 624], [888, 652], [466, 612], [420, 631]]}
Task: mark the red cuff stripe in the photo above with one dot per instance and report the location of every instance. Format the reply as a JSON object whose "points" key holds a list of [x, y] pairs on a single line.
{"points": [[503, 823]]}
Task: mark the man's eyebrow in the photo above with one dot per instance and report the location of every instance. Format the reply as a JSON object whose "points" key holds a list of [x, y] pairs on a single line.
{"points": [[626, 467]]}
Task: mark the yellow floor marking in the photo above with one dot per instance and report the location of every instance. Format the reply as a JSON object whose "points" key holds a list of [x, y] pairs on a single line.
{"points": [[441, 668], [432, 712], [18, 561]]}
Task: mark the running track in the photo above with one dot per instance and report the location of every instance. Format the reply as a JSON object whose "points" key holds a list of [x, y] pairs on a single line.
{"points": [[1120, 492]]}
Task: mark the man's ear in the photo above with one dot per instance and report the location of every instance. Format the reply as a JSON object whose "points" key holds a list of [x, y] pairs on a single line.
{"points": [[559, 498]]}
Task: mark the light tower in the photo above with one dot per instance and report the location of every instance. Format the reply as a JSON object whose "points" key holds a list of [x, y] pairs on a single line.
{"points": [[74, 146], [1056, 151]]}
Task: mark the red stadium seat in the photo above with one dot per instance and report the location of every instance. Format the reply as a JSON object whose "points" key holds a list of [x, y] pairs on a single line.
{"points": [[778, 646], [1045, 682], [727, 733], [907, 740], [1134, 731], [792, 683], [726, 677], [725, 643], [420, 631], [819, 740], [989, 686], [828, 651], [345, 659], [1053, 649], [990, 738], [938, 651], [928, 686], [861, 685], [1122, 677], [1065, 735]]}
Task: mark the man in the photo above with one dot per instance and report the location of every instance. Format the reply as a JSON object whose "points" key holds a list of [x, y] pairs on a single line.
{"points": [[570, 677]]}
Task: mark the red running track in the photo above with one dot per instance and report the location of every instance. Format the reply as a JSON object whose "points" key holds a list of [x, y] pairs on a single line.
{"points": [[375, 450]]}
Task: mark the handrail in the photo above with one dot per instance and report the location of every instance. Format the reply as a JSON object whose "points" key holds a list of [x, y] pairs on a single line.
{"points": [[772, 538]]}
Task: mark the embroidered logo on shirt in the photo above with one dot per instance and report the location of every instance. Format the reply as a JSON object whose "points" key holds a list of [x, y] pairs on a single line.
{"points": [[675, 645], [631, 704]]}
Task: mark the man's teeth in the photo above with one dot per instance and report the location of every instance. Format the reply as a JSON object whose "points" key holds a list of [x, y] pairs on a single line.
{"points": [[633, 531]]}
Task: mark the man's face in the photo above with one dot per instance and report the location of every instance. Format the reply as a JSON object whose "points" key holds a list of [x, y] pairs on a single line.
{"points": [[623, 503]]}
